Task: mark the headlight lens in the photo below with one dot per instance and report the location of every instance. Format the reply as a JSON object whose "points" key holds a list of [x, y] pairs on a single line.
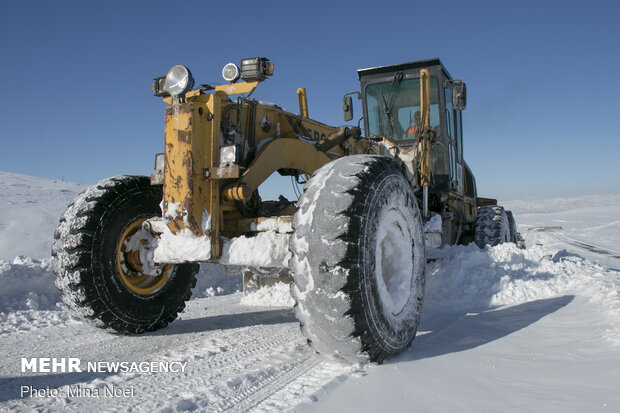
{"points": [[179, 81], [230, 72]]}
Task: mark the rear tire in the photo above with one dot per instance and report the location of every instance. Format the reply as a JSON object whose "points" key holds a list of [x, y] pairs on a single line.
{"points": [[515, 236], [492, 226], [358, 260], [513, 227], [101, 259]]}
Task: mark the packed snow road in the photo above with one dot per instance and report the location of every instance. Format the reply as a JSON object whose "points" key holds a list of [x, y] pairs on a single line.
{"points": [[503, 329], [228, 357]]}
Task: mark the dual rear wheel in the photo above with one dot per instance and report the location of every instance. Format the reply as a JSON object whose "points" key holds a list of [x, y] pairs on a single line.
{"points": [[494, 225]]}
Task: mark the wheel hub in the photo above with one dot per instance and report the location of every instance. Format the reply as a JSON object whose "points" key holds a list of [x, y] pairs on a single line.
{"points": [[135, 266], [394, 261]]}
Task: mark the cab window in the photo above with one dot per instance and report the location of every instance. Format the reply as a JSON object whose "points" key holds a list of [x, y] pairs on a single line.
{"points": [[394, 108]]}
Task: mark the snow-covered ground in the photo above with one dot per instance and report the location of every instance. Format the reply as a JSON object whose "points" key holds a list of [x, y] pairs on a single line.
{"points": [[503, 329]]}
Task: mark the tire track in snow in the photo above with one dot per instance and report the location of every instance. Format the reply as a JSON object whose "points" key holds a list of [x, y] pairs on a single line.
{"points": [[209, 380], [224, 345], [234, 380], [593, 248], [251, 395], [587, 246], [241, 352]]}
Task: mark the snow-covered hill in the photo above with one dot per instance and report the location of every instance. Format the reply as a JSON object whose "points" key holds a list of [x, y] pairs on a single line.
{"points": [[503, 329], [30, 210]]}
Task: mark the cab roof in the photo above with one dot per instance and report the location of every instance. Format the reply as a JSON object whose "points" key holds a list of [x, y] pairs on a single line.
{"points": [[418, 64]]}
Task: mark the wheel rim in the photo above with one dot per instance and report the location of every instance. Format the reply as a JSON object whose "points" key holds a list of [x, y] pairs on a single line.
{"points": [[137, 272], [394, 261]]}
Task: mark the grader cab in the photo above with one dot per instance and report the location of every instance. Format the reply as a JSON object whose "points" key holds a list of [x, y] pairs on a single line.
{"points": [[353, 246]]}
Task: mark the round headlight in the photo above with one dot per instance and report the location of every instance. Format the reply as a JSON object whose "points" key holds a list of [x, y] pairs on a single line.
{"points": [[230, 72], [179, 80]]}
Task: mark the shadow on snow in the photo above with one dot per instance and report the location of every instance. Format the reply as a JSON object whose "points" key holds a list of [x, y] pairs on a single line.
{"points": [[450, 333], [228, 322]]}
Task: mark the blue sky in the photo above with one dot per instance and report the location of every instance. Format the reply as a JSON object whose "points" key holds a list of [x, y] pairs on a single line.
{"points": [[543, 78]]}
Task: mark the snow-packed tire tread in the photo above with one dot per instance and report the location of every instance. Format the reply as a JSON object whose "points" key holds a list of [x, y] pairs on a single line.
{"points": [[492, 226], [332, 317], [77, 238]]}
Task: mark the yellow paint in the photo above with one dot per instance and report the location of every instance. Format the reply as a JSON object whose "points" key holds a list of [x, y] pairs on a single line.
{"points": [[282, 153], [195, 182], [187, 154], [303, 102], [237, 88], [189, 151], [425, 118]]}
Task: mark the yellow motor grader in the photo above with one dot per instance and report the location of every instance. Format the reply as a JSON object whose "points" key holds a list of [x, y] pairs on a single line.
{"points": [[354, 245]]}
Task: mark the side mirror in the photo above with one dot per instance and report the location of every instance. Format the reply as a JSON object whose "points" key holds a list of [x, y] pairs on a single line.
{"points": [[347, 108], [459, 95], [347, 105]]}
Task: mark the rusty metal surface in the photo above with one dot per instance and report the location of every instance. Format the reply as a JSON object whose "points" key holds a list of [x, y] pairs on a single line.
{"points": [[187, 153]]}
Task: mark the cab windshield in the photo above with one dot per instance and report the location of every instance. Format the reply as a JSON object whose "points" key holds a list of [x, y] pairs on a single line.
{"points": [[394, 108]]}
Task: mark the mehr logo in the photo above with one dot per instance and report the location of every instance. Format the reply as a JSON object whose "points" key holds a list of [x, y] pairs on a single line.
{"points": [[72, 365], [51, 365]]}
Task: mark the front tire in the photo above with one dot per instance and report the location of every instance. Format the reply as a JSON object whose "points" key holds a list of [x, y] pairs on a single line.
{"points": [[358, 260], [103, 259]]}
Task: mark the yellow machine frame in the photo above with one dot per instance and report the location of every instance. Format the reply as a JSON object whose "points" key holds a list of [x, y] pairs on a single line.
{"points": [[195, 182]]}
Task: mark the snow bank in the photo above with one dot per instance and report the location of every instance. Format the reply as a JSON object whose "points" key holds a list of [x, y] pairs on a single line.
{"points": [[466, 278], [561, 204], [27, 284]]}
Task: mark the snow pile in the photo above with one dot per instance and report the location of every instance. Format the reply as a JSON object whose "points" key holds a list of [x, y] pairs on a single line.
{"points": [[27, 284], [274, 224], [277, 295], [214, 279], [466, 278], [265, 249]]}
